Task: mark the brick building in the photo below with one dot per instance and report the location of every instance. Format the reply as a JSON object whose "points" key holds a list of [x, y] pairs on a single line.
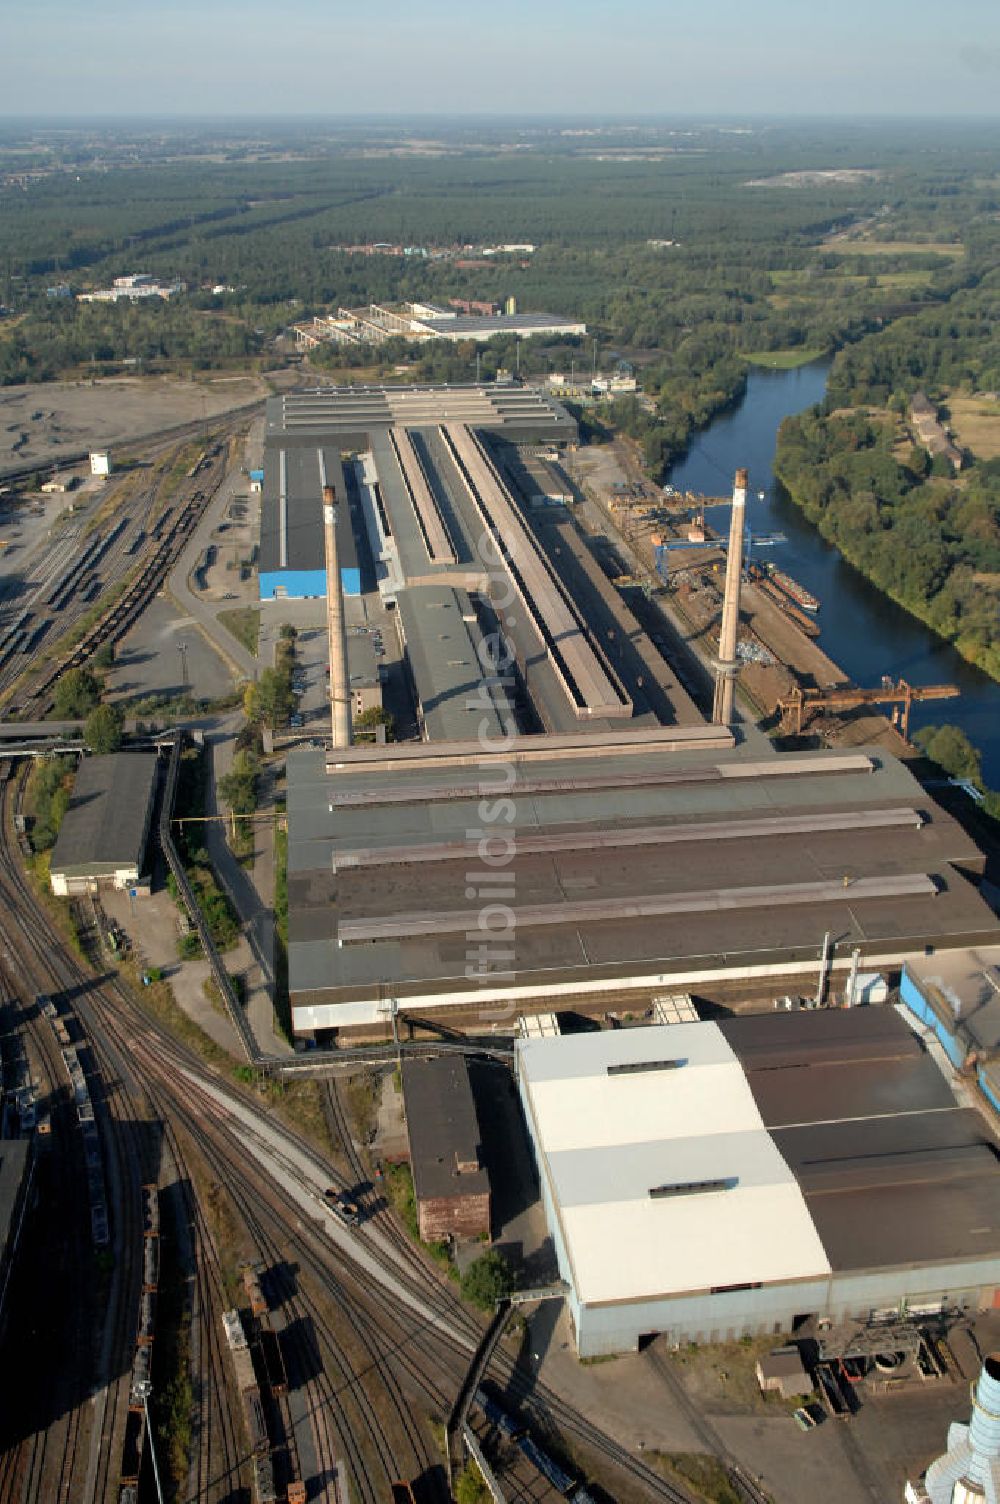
{"points": [[451, 1187]]}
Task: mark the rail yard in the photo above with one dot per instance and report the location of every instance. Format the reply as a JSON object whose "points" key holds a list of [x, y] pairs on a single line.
{"points": [[190, 1298]]}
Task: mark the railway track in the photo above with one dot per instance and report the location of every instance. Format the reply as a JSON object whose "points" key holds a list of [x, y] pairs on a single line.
{"points": [[162, 525], [381, 1354], [77, 1456]]}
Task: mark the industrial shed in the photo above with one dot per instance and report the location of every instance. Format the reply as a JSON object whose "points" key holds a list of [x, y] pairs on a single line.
{"points": [[291, 564], [956, 995], [640, 864], [710, 1180], [451, 1187], [102, 839]]}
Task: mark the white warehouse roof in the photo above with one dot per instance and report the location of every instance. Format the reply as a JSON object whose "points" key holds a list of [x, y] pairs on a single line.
{"points": [[624, 1123]]}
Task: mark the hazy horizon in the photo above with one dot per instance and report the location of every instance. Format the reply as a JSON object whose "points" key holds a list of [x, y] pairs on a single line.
{"points": [[572, 58]]}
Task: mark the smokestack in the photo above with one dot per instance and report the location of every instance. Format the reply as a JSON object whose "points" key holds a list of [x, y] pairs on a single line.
{"points": [[340, 688], [727, 663]]}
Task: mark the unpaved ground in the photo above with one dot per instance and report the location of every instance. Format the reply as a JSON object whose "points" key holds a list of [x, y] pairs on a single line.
{"points": [[975, 424], [43, 423]]}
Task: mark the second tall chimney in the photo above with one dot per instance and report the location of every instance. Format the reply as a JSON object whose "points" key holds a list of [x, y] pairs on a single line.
{"points": [[727, 663]]}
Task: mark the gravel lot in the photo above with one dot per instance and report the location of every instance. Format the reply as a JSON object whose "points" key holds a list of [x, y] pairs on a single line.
{"points": [[43, 422]]}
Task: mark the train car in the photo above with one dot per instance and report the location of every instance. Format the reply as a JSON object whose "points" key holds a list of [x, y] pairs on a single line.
{"points": [[402, 1493], [246, 1374], [235, 1335], [128, 1493], [274, 1363], [295, 1492], [45, 1006], [100, 1234], [251, 1284], [511, 1428], [61, 1032], [150, 1263], [253, 1411], [146, 1329], [263, 1481], [560, 1481], [132, 1448], [91, 1146], [150, 1211], [142, 1369]]}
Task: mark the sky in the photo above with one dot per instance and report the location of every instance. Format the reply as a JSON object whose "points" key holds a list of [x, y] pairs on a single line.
{"points": [[510, 57]]}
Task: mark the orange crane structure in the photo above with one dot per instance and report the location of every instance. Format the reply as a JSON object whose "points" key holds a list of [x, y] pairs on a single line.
{"points": [[801, 702]]}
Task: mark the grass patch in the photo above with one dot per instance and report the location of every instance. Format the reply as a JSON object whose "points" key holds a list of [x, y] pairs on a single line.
{"points": [[243, 623], [703, 1476], [399, 1193], [948, 248], [298, 1103], [975, 422], [363, 1092], [173, 1394], [783, 360]]}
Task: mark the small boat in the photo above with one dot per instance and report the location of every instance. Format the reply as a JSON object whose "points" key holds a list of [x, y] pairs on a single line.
{"points": [[798, 593]]}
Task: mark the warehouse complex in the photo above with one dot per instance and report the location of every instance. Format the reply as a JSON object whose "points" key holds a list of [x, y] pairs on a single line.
{"points": [[568, 832], [420, 322], [713, 1180]]}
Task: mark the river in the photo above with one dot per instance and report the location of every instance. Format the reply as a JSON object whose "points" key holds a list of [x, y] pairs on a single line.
{"points": [[863, 631]]}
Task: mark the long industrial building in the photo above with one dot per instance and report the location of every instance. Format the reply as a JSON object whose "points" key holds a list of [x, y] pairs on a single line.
{"points": [[431, 504], [709, 1181], [615, 867]]}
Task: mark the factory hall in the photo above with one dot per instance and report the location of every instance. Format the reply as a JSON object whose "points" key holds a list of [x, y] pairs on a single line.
{"points": [[579, 834], [711, 1181]]}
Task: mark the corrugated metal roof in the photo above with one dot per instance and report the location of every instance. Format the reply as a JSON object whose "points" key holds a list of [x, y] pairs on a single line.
{"points": [[875, 1168], [607, 1141], [628, 792], [105, 827], [441, 640], [443, 1129]]}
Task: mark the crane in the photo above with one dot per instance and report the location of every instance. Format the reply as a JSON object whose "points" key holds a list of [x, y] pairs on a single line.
{"points": [[891, 692], [750, 541]]}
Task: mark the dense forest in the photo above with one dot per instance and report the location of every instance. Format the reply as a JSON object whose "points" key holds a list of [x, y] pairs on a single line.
{"points": [[749, 260], [928, 538]]}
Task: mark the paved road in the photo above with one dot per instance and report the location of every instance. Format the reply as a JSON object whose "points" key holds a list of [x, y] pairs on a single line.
{"points": [[204, 611]]}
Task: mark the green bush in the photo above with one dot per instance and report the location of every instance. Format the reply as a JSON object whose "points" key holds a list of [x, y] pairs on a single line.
{"points": [[488, 1280]]}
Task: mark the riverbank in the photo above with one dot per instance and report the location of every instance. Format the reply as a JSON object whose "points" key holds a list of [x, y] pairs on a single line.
{"points": [[861, 629], [986, 659]]}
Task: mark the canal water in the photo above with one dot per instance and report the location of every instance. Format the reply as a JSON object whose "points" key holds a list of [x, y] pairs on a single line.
{"points": [[862, 630]]}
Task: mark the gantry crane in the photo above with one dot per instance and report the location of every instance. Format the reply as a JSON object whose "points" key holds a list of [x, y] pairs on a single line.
{"points": [[750, 541], [800, 702]]}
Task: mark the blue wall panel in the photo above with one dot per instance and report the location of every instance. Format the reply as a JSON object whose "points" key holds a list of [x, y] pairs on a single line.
{"points": [[299, 584], [914, 999]]}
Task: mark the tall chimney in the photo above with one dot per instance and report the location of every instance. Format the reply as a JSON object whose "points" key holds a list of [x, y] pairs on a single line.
{"points": [[340, 688], [727, 663]]}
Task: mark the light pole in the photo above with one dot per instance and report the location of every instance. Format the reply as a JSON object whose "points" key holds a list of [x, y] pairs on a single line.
{"points": [[143, 1388], [182, 649]]}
